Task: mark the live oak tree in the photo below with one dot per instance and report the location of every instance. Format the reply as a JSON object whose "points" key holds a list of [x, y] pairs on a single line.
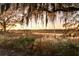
{"points": [[35, 9], [5, 17]]}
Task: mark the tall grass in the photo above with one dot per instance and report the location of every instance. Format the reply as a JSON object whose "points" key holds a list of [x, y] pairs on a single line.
{"points": [[43, 46]]}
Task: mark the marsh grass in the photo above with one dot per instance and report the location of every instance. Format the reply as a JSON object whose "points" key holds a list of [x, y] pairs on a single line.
{"points": [[24, 45]]}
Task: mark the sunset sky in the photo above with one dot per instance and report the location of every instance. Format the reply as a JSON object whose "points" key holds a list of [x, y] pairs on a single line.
{"points": [[40, 25]]}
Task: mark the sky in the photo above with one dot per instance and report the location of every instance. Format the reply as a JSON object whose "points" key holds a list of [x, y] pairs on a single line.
{"points": [[39, 25]]}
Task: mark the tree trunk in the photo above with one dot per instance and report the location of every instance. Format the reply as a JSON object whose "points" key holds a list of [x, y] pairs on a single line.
{"points": [[4, 26]]}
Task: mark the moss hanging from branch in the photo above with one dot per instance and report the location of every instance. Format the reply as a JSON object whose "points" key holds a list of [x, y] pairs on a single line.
{"points": [[46, 19]]}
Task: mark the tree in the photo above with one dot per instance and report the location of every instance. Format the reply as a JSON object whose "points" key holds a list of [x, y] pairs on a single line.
{"points": [[5, 18], [36, 10]]}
